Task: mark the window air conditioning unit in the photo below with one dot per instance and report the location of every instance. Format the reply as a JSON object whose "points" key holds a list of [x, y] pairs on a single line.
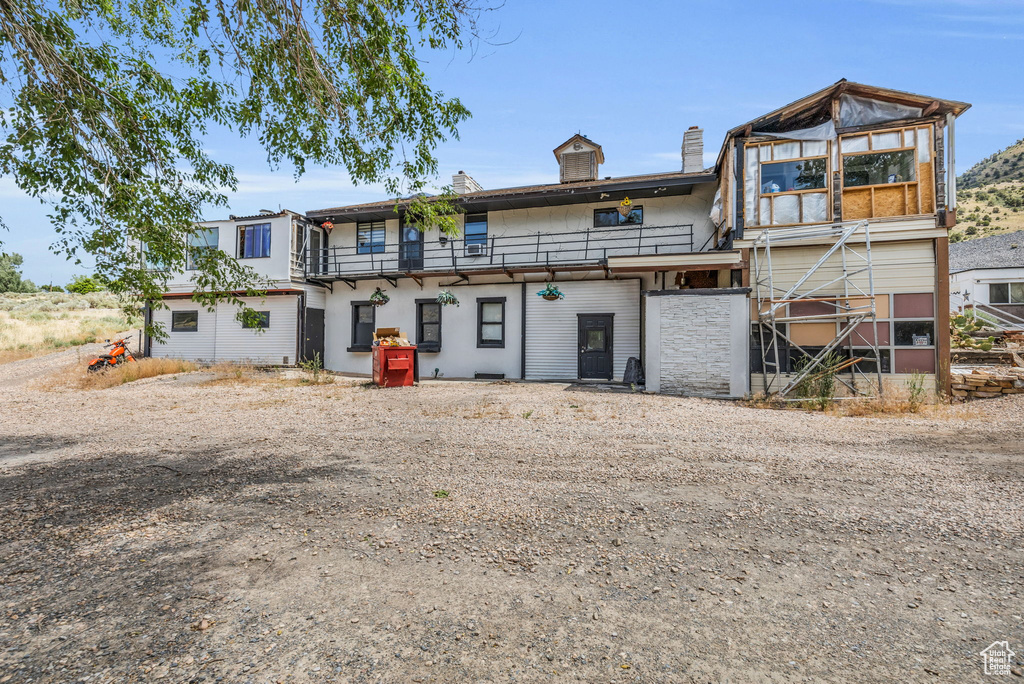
{"points": [[476, 250]]}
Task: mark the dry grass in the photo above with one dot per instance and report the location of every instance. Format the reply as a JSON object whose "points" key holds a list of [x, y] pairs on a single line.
{"points": [[41, 323], [897, 399], [130, 372], [232, 374]]}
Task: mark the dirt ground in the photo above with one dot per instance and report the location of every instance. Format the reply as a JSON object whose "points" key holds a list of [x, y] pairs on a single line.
{"points": [[180, 531]]}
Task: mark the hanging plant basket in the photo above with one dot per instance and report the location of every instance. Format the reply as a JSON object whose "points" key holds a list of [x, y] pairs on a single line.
{"points": [[446, 298], [550, 293], [378, 298], [625, 206]]}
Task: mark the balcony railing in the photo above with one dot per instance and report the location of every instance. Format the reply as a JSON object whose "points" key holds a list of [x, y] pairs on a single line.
{"points": [[507, 253]]}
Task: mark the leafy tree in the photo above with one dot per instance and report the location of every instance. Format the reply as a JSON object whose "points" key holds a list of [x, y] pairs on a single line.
{"points": [[51, 288], [10, 274], [108, 102], [84, 284]]}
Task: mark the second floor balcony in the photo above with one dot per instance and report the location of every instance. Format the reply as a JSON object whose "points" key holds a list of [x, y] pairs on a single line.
{"points": [[524, 253]]}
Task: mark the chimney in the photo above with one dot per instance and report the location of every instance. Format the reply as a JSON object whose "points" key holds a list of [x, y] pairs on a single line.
{"points": [[693, 150], [462, 183]]}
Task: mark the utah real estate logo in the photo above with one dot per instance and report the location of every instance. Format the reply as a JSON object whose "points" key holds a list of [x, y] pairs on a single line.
{"points": [[998, 658]]}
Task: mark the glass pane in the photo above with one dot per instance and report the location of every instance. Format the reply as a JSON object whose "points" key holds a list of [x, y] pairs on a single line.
{"points": [[999, 293], [490, 312], [868, 363], [431, 333], [914, 333], [595, 340], [490, 332], [475, 229], [364, 314], [634, 218], [205, 238], [878, 168], [185, 320], [808, 174], [1017, 293], [604, 218], [430, 313]]}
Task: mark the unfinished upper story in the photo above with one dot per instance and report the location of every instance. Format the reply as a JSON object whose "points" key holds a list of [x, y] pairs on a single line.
{"points": [[584, 222], [845, 153]]}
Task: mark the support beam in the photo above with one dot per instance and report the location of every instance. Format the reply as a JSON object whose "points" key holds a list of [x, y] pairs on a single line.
{"points": [[418, 279], [391, 279]]}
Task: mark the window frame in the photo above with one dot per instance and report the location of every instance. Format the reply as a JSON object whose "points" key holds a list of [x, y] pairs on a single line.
{"points": [[191, 248], [372, 247], [481, 343], [356, 347], [240, 233], [621, 219], [796, 193], [193, 312], [1009, 294], [477, 239], [844, 155], [264, 322], [428, 347]]}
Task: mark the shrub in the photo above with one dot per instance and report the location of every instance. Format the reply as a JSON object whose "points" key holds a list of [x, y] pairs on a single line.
{"points": [[132, 371]]}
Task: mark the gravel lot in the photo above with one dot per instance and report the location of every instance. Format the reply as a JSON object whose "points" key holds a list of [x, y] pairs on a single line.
{"points": [[180, 531]]}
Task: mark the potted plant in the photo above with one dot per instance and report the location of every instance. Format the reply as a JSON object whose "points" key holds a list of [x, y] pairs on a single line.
{"points": [[625, 206], [446, 298], [551, 293], [378, 298]]}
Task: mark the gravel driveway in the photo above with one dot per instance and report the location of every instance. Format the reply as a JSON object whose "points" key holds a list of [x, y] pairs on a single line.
{"points": [[178, 531]]}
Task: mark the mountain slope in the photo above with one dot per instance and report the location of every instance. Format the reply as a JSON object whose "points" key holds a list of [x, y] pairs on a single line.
{"points": [[1004, 165], [990, 209]]}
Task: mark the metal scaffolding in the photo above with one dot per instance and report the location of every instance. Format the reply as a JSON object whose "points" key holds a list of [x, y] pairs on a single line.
{"points": [[842, 283]]}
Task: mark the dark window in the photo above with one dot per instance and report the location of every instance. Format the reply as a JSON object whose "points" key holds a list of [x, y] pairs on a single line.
{"points": [[787, 176], [184, 321], [203, 241], [607, 218], [914, 333], [364, 315], [490, 322], [475, 230], [867, 363], [262, 322], [1006, 293], [370, 237], [254, 241], [755, 349], [878, 168], [428, 325]]}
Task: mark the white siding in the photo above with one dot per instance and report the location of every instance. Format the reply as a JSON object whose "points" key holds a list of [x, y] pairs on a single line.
{"points": [[552, 344], [194, 346], [220, 337], [316, 297], [459, 356], [274, 345]]}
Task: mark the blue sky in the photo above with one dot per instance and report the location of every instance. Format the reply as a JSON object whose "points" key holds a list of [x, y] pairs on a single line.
{"points": [[634, 76]]}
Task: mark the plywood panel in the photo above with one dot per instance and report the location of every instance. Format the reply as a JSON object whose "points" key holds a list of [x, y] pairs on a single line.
{"points": [[891, 201], [812, 334], [926, 185], [856, 204]]}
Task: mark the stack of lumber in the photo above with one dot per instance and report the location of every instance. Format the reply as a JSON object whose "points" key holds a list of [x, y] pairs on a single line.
{"points": [[988, 382]]}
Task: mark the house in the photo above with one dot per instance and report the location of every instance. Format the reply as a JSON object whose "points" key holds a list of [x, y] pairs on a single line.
{"points": [[274, 245], [720, 281], [988, 274]]}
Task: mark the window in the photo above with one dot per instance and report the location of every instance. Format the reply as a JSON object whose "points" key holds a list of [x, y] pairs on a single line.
{"points": [[151, 262], [1006, 293], [609, 218], [201, 242], [370, 237], [262, 322], [490, 322], [184, 321], [364, 316], [254, 241], [878, 168], [475, 229], [789, 176], [914, 333], [428, 325]]}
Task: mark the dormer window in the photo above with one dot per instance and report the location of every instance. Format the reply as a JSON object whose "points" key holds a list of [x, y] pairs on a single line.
{"points": [[578, 159]]}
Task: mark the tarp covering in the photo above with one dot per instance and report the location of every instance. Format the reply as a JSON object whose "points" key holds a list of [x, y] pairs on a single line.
{"points": [[825, 131], [861, 111]]}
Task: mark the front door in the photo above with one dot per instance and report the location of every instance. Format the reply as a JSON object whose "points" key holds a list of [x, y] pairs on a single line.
{"points": [[313, 345], [595, 342], [410, 248]]}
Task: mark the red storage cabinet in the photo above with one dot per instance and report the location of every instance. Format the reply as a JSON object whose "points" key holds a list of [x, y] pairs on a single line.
{"points": [[394, 366]]}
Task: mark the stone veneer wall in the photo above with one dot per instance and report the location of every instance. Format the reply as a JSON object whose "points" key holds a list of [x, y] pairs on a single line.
{"points": [[985, 383]]}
